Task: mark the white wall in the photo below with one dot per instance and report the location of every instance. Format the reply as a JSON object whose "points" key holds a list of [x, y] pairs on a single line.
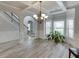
{"points": [[8, 36], [8, 31]]}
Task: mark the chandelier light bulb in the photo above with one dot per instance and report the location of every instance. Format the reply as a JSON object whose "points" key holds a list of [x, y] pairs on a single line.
{"points": [[43, 15], [35, 16], [46, 16]]}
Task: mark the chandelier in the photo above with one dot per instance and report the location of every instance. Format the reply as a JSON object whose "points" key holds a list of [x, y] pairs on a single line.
{"points": [[40, 16]]}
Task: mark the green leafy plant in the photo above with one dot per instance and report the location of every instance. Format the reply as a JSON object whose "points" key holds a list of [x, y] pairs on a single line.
{"points": [[49, 37], [56, 36]]}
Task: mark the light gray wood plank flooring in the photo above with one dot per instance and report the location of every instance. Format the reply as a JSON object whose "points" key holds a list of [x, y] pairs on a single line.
{"points": [[33, 49]]}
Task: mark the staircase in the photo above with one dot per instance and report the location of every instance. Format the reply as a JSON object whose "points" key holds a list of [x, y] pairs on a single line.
{"points": [[14, 20]]}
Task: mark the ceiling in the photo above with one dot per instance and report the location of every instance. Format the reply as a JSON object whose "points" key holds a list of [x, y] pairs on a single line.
{"points": [[48, 7]]}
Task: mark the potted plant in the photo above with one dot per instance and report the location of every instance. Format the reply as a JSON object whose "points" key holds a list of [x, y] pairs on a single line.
{"points": [[56, 36]]}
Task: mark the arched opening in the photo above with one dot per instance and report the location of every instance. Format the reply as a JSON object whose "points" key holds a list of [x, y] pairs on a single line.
{"points": [[29, 22]]}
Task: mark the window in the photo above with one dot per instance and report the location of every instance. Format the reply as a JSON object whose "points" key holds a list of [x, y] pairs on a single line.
{"points": [[29, 25], [59, 26], [70, 23], [70, 28], [48, 27]]}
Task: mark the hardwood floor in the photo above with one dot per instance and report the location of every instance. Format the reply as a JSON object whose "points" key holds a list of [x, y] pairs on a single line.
{"points": [[33, 49]]}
